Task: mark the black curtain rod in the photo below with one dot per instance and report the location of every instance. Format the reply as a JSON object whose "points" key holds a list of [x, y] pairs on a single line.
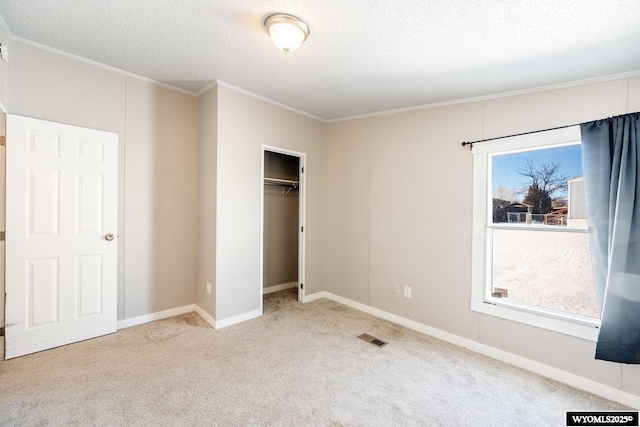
{"points": [[517, 134], [470, 144]]}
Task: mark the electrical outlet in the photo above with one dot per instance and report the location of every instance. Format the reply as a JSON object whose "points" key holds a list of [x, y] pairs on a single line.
{"points": [[209, 288], [407, 292], [394, 288]]}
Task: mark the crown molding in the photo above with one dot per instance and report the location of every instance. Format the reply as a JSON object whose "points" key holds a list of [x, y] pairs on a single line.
{"points": [[270, 101], [207, 88], [101, 65], [528, 91]]}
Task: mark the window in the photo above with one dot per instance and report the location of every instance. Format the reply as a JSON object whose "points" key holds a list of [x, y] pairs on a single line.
{"points": [[531, 257]]}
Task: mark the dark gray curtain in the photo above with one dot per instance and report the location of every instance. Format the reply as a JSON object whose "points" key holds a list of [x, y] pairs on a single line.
{"points": [[611, 161]]}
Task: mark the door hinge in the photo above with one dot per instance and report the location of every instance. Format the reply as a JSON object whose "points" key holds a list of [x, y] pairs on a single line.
{"points": [[1, 332], [302, 229], [301, 285], [303, 170]]}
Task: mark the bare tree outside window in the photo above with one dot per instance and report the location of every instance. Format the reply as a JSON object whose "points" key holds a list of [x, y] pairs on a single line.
{"points": [[546, 180]]}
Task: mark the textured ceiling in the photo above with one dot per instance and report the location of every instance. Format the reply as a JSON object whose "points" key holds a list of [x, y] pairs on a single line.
{"points": [[362, 56]]}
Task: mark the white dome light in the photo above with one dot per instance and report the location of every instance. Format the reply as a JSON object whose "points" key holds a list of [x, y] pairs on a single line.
{"points": [[287, 32]]}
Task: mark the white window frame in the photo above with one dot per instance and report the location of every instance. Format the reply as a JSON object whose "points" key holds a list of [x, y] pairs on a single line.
{"points": [[481, 300]]}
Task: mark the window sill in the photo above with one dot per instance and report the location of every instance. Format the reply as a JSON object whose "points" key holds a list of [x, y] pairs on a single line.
{"points": [[579, 328], [538, 227]]}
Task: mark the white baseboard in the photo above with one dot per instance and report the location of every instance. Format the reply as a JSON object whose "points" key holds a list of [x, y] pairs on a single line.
{"points": [[134, 321], [206, 316], [281, 287], [237, 319], [313, 297], [573, 380]]}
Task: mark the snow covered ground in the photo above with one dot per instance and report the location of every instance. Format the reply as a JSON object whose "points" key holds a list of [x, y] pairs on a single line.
{"points": [[545, 268]]}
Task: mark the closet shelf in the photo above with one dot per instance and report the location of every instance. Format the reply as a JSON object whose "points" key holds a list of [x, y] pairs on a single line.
{"points": [[283, 183]]}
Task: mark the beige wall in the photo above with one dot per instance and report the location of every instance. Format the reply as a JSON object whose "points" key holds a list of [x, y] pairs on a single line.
{"points": [[161, 198], [421, 216], [633, 95], [399, 195], [4, 73], [313, 143], [3, 132], [157, 130], [348, 198], [244, 124], [207, 191], [240, 131]]}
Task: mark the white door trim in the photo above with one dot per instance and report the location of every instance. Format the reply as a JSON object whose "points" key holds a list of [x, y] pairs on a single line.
{"points": [[302, 194]]}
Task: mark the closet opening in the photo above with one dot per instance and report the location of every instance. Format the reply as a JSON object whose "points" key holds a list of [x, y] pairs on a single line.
{"points": [[282, 221]]}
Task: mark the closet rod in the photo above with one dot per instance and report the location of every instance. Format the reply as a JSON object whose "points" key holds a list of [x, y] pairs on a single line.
{"points": [[283, 182]]}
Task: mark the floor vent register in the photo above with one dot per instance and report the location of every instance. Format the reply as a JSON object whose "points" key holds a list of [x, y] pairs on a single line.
{"points": [[372, 340]]}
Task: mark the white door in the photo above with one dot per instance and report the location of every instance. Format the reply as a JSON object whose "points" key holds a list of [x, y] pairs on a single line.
{"points": [[302, 203], [61, 224]]}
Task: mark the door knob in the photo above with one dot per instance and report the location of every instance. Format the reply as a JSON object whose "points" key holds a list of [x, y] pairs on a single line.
{"points": [[109, 237]]}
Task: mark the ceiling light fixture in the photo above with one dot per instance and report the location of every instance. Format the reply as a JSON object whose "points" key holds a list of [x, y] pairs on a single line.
{"points": [[287, 32]]}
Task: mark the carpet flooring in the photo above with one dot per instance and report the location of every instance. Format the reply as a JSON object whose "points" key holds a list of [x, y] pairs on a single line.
{"points": [[297, 365]]}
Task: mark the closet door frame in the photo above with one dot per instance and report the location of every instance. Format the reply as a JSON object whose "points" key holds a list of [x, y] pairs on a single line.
{"points": [[302, 203]]}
